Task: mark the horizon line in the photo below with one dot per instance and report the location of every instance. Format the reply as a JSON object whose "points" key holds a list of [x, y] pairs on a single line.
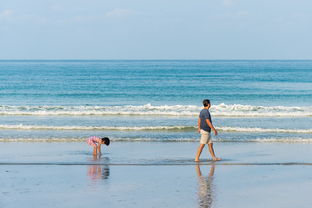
{"points": [[155, 59]]}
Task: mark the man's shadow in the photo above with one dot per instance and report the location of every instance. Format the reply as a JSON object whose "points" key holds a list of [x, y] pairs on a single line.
{"points": [[98, 171], [205, 187]]}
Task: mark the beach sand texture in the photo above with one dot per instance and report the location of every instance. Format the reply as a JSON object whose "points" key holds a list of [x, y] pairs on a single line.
{"points": [[151, 174]]}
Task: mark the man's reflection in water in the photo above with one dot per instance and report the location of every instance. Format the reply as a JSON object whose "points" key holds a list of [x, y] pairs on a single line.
{"points": [[205, 191], [98, 172]]}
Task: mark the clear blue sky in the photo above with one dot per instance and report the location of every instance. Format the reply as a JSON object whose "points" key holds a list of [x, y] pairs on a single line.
{"points": [[155, 29]]}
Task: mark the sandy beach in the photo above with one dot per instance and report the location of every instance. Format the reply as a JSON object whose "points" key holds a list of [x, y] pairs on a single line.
{"points": [[151, 174]]}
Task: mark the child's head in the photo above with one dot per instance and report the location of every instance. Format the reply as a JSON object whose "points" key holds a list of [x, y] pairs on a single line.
{"points": [[206, 103], [105, 140]]}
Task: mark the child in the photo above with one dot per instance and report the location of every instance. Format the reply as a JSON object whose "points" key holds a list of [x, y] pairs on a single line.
{"points": [[204, 128], [96, 143]]}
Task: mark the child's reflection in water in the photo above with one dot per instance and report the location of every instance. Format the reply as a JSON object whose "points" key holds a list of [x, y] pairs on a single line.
{"points": [[98, 172], [205, 189]]}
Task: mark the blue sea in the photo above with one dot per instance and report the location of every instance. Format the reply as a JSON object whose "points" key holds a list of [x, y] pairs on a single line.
{"points": [[155, 100]]}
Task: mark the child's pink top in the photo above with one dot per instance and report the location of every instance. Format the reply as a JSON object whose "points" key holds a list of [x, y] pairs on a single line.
{"points": [[93, 141]]}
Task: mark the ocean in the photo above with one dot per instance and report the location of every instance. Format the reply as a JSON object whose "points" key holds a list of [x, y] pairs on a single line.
{"points": [[155, 100]]}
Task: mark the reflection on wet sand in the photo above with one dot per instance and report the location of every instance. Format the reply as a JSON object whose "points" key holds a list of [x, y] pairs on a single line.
{"points": [[98, 172], [205, 190]]}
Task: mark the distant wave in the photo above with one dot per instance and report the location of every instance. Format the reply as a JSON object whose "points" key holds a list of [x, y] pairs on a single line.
{"points": [[264, 130], [269, 140], [235, 110], [152, 128], [238, 110], [98, 128], [243, 140]]}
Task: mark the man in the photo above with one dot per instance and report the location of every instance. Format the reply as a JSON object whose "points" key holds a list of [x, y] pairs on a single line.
{"points": [[204, 128]]}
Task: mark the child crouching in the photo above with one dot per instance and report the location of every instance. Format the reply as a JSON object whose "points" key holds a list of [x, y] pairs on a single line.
{"points": [[96, 143]]}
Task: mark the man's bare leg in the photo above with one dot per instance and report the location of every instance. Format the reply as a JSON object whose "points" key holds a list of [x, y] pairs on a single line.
{"points": [[199, 151], [214, 158]]}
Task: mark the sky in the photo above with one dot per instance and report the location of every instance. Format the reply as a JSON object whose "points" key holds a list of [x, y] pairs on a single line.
{"points": [[155, 29]]}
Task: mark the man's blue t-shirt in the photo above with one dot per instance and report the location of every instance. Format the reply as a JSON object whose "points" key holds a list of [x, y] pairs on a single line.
{"points": [[203, 115]]}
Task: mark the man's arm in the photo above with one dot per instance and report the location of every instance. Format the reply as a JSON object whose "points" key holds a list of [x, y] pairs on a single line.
{"points": [[198, 123], [211, 126]]}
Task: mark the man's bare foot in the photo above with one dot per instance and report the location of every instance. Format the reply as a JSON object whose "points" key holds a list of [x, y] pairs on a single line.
{"points": [[196, 160], [216, 159]]}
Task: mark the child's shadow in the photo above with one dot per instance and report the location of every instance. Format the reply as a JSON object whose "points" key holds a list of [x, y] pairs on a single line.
{"points": [[99, 171]]}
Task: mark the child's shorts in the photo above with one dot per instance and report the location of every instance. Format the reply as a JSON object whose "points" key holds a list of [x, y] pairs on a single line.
{"points": [[91, 141], [205, 137]]}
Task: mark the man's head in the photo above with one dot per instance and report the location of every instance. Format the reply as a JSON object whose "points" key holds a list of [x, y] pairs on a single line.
{"points": [[206, 103]]}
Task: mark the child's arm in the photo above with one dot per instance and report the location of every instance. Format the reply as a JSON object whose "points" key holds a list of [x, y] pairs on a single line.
{"points": [[211, 126]]}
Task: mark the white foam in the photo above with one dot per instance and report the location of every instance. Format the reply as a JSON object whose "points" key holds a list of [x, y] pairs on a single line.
{"points": [[257, 140], [264, 130], [222, 109], [99, 128], [269, 140], [238, 110], [151, 128]]}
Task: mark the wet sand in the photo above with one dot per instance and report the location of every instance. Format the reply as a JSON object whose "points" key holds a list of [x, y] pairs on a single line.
{"points": [[155, 175]]}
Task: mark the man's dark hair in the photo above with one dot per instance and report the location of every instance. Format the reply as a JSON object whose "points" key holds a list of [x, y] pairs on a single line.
{"points": [[105, 140], [206, 102]]}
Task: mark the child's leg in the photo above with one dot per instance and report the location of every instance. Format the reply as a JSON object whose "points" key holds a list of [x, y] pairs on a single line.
{"points": [[95, 150], [210, 147], [99, 149], [199, 151]]}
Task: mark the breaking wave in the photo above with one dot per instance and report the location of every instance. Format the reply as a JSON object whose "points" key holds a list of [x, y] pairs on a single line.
{"points": [[152, 128], [98, 128], [222, 109], [243, 140]]}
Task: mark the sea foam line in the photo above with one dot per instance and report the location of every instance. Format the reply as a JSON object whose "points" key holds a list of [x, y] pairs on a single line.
{"points": [[243, 140], [222, 109], [151, 128], [264, 130], [97, 128]]}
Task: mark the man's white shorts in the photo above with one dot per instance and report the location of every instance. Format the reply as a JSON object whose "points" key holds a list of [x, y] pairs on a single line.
{"points": [[205, 137]]}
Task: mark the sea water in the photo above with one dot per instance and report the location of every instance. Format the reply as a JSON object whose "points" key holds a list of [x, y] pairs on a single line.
{"points": [[155, 100]]}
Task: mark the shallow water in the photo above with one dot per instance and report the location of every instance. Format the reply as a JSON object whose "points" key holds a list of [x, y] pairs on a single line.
{"points": [[151, 174], [154, 153], [155, 186]]}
